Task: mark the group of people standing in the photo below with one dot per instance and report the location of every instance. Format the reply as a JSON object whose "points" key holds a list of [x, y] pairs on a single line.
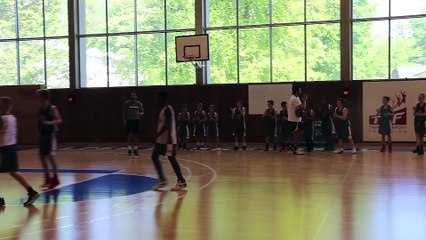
{"points": [[48, 120], [284, 128]]}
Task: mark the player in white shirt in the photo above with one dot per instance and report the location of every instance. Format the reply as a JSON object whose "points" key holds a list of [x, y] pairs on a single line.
{"points": [[9, 155], [295, 112], [165, 143]]}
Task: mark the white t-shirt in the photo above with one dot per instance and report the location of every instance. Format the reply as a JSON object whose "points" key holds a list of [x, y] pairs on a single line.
{"points": [[8, 131], [170, 130], [293, 103]]}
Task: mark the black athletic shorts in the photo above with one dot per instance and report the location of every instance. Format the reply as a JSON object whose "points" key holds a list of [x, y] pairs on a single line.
{"points": [[9, 159], [239, 131], [132, 126], [420, 128], [48, 144], [161, 149], [295, 126]]}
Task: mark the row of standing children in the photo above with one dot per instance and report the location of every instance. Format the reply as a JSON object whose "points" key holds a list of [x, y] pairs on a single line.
{"points": [[206, 129], [278, 131]]}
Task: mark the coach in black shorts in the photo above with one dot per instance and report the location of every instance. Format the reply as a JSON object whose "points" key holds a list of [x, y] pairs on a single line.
{"points": [[132, 112]]}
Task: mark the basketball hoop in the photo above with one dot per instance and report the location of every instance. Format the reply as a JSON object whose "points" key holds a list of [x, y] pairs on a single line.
{"points": [[191, 59]]}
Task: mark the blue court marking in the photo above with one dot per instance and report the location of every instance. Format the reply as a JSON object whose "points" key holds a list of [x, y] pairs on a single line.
{"points": [[88, 171], [109, 186]]}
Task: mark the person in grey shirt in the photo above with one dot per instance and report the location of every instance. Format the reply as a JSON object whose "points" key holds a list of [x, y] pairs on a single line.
{"points": [[132, 113]]}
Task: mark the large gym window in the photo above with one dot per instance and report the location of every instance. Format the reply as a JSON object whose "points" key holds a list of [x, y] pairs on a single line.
{"points": [[389, 39], [261, 41], [131, 43], [34, 43]]}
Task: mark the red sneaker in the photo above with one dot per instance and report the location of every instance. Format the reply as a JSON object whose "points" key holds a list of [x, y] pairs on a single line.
{"points": [[390, 148], [54, 182], [383, 149]]}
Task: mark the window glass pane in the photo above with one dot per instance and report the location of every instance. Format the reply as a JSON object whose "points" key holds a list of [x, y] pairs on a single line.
{"points": [[93, 62], [152, 59], [8, 69], [222, 13], [56, 14], [122, 70], [370, 8], [322, 10], [32, 62], [30, 18], [285, 11], [254, 12], [223, 56], [121, 16], [288, 54], [57, 63], [92, 16], [408, 48], [150, 15], [370, 50], [254, 55], [323, 52], [178, 73], [7, 19], [180, 14], [408, 7]]}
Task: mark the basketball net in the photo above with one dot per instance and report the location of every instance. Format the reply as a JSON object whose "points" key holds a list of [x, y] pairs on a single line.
{"points": [[191, 59]]}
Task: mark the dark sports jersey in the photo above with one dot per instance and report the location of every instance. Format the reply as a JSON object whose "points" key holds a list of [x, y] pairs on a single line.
{"points": [[183, 118], [199, 117], [132, 110], [211, 119], [339, 112], [385, 114], [269, 117], [283, 117], [46, 114], [238, 118], [420, 108]]}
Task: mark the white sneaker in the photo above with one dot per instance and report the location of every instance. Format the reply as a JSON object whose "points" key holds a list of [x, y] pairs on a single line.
{"points": [[299, 152], [159, 186], [338, 151], [218, 149], [354, 151]]}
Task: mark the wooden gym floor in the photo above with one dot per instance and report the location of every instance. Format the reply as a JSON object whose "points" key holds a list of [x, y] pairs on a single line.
{"points": [[231, 195]]}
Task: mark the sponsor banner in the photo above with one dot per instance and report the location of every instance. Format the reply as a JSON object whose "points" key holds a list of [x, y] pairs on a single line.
{"points": [[403, 95]]}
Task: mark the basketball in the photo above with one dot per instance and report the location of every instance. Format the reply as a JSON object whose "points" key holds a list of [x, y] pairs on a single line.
{"points": [[299, 112]]}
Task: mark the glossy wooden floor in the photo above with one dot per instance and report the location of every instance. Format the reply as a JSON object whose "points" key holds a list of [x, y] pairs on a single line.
{"points": [[234, 195]]}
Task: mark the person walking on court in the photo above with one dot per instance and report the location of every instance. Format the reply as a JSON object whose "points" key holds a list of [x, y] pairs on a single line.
{"points": [[165, 143], [419, 123], [343, 126], [239, 118], [48, 121], [385, 112], [296, 110], [132, 113], [8, 152]]}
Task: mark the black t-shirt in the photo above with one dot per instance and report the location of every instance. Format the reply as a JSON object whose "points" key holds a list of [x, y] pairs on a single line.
{"points": [[420, 108], [45, 114]]}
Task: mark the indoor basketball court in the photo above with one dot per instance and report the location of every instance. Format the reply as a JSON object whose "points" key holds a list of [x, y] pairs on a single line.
{"points": [[212, 119], [231, 195]]}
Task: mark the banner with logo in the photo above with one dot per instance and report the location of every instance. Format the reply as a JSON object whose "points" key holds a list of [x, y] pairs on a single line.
{"points": [[403, 95]]}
